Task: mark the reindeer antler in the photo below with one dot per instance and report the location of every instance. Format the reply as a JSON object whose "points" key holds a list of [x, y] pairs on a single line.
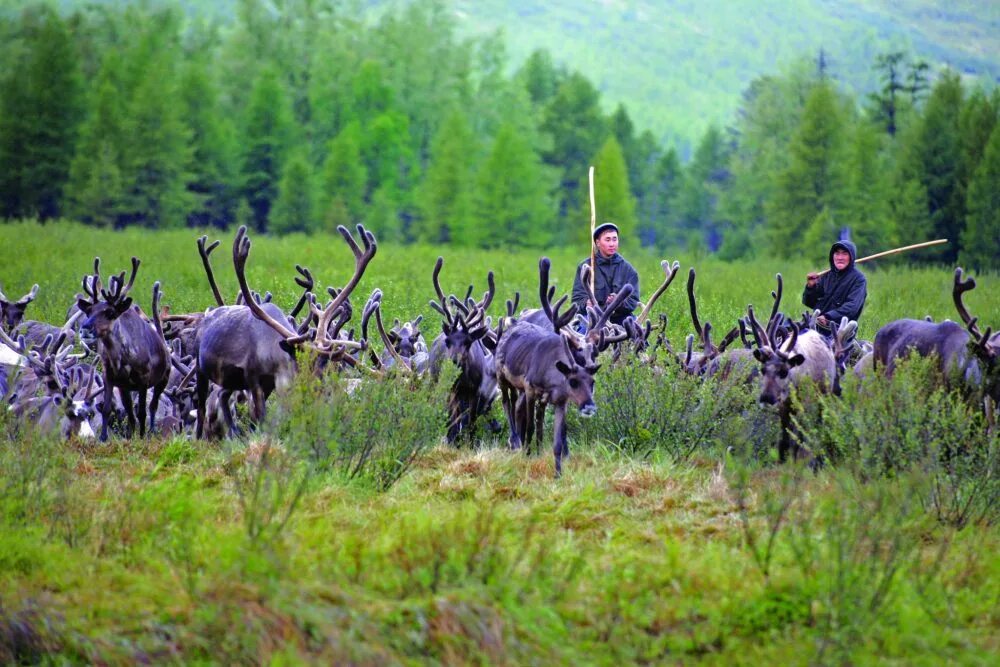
{"points": [[961, 287], [205, 252], [671, 272]]}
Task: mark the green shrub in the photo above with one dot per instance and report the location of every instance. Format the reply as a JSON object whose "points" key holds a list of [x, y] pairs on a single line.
{"points": [[371, 429], [645, 408]]}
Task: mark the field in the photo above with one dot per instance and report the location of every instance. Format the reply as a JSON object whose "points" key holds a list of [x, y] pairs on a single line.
{"points": [[345, 532]]}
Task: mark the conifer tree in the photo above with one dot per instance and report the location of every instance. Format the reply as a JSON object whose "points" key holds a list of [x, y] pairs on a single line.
{"points": [[447, 192], [866, 205], [94, 192], [267, 132], [660, 226], [294, 209], [814, 182], [574, 121], [704, 181], [975, 126], [344, 179], [938, 150], [212, 169], [41, 105], [157, 150], [981, 236], [614, 199], [512, 203]]}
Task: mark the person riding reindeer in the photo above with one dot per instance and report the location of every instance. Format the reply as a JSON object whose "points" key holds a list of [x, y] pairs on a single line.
{"points": [[839, 293], [612, 272]]}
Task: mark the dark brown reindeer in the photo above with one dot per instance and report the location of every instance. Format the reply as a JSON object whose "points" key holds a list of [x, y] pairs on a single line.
{"points": [[585, 348], [461, 342], [12, 312], [133, 353], [786, 364], [967, 352], [252, 347], [535, 364]]}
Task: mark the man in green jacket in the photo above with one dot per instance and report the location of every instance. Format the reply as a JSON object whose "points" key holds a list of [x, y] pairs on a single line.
{"points": [[612, 272]]}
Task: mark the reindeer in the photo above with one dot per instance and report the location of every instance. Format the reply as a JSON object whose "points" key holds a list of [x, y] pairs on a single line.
{"points": [[537, 362], [251, 347], [698, 363], [12, 312], [461, 342], [787, 364], [133, 352], [967, 352]]}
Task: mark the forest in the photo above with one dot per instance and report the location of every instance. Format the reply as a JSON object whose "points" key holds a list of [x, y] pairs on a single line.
{"points": [[301, 116]]}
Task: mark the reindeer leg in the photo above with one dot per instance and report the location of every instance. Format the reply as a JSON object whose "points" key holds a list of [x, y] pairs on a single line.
{"points": [[259, 410], [201, 399], [225, 403], [785, 440], [559, 446], [540, 408], [129, 411], [106, 408], [141, 411], [508, 401], [154, 403]]}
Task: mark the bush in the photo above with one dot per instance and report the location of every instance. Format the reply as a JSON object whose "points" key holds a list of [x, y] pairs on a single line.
{"points": [[645, 408], [913, 425], [370, 430]]}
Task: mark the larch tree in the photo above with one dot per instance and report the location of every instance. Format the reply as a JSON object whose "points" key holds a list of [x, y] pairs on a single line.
{"points": [[342, 192], [294, 209], [446, 195], [41, 106], [267, 133], [612, 195], [981, 236], [512, 201]]}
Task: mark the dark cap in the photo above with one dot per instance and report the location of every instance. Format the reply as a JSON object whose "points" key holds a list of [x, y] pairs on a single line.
{"points": [[605, 227]]}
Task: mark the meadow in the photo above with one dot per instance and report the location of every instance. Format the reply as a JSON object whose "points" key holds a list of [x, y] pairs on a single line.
{"points": [[345, 532]]}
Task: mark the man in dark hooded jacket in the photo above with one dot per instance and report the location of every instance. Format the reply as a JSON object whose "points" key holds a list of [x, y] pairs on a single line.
{"points": [[839, 293], [612, 273]]}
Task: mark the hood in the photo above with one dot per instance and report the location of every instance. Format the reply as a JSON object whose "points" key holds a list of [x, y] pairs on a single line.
{"points": [[849, 247]]}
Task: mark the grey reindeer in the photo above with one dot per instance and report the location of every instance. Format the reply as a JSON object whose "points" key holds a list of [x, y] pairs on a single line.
{"points": [[133, 353]]}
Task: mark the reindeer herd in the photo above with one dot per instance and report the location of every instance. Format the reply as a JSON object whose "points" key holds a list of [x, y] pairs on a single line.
{"points": [[190, 372]]}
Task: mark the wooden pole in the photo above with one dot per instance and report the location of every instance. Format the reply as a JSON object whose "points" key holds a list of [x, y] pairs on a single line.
{"points": [[593, 226], [894, 251]]}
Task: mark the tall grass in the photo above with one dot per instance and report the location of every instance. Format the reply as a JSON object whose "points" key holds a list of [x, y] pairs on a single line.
{"points": [[343, 532]]}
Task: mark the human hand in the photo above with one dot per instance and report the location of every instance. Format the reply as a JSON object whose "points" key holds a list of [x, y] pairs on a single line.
{"points": [[590, 304], [821, 320], [811, 279], [611, 297]]}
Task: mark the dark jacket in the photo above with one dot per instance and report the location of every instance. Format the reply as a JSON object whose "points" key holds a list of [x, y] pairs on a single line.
{"points": [[839, 294], [612, 274]]}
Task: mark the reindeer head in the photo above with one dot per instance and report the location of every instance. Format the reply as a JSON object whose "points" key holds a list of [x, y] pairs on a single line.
{"points": [[777, 362], [579, 385], [406, 338], [984, 345], [12, 312], [103, 306]]}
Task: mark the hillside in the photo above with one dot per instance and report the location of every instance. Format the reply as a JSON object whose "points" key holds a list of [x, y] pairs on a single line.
{"points": [[679, 65]]}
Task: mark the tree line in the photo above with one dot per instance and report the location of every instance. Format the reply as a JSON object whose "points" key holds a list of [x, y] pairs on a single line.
{"points": [[302, 116]]}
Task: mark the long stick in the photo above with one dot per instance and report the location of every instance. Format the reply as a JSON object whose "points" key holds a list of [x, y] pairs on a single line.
{"points": [[593, 226], [894, 251]]}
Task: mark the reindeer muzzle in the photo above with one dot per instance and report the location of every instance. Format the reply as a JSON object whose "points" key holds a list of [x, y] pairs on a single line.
{"points": [[588, 410]]}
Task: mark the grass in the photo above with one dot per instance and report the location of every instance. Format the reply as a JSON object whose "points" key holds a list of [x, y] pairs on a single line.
{"points": [[169, 551]]}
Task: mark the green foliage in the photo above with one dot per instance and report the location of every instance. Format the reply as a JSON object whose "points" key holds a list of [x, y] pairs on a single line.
{"points": [[267, 137], [294, 209], [448, 189], [343, 181], [661, 410], [980, 240], [370, 430], [611, 189], [512, 203], [41, 104]]}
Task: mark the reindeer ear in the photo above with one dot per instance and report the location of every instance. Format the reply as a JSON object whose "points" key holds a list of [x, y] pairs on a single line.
{"points": [[593, 369], [85, 306], [759, 355], [563, 367], [796, 360], [123, 305]]}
